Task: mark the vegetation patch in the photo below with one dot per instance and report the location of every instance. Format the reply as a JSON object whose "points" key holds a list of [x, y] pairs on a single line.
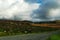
{"points": [[54, 37]]}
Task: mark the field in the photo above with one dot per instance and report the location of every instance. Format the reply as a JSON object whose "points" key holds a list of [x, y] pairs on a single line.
{"points": [[54, 37]]}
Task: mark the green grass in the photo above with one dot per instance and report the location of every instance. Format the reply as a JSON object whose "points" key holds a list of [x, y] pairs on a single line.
{"points": [[13, 34], [3, 34], [9, 34], [54, 37]]}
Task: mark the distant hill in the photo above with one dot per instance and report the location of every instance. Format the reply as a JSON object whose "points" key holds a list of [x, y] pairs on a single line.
{"points": [[16, 26], [54, 24]]}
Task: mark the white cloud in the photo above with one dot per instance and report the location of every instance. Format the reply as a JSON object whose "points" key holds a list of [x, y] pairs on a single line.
{"points": [[9, 8], [54, 12]]}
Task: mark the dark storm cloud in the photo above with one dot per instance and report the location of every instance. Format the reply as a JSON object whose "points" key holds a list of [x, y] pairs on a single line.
{"points": [[43, 11]]}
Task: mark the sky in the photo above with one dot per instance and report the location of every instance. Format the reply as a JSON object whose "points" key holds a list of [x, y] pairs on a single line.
{"points": [[32, 10]]}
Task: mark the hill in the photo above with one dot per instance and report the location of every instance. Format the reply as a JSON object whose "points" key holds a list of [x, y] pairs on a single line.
{"points": [[21, 26]]}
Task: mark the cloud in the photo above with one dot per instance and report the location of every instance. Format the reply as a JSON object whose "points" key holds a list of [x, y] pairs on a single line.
{"points": [[48, 10], [34, 10], [16, 9]]}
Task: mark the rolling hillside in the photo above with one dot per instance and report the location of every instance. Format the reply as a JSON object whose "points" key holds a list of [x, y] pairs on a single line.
{"points": [[21, 26]]}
